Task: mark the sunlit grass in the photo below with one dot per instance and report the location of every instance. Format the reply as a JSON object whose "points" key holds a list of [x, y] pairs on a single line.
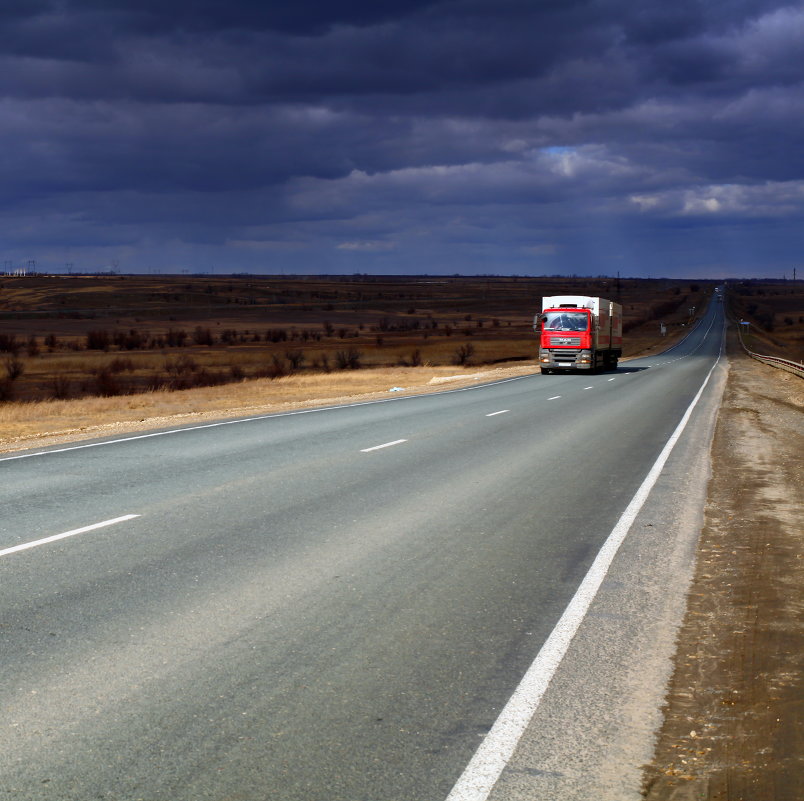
{"points": [[25, 425]]}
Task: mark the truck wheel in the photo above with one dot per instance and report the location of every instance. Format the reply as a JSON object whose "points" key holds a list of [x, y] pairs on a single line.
{"points": [[546, 371]]}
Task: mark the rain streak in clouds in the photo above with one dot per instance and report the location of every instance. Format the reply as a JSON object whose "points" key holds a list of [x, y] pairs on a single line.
{"points": [[465, 136]]}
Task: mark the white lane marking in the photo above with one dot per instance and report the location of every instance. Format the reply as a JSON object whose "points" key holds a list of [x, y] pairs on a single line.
{"points": [[612, 379], [494, 414], [384, 445], [485, 767], [585, 388], [257, 418], [66, 534], [555, 397]]}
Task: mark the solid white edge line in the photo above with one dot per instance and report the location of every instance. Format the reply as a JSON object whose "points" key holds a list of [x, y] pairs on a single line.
{"points": [[384, 445], [494, 414], [555, 397], [45, 540], [490, 759]]}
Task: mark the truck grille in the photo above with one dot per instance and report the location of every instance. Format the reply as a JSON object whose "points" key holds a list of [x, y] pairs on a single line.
{"points": [[565, 341]]}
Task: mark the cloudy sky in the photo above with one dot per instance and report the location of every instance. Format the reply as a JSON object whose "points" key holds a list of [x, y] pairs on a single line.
{"points": [[645, 137]]}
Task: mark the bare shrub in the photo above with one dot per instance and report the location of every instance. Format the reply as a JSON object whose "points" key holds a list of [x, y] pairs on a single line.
{"points": [[14, 368], [32, 348], [348, 359], [175, 339], [6, 390], [9, 343], [296, 358], [51, 343], [203, 336], [463, 354], [278, 367], [236, 372], [133, 340], [106, 384], [60, 387], [98, 340]]}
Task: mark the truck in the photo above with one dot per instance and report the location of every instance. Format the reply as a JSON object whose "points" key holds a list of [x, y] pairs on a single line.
{"points": [[579, 333]]}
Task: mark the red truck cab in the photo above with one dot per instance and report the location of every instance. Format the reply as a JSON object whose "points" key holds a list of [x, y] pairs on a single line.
{"points": [[579, 333]]}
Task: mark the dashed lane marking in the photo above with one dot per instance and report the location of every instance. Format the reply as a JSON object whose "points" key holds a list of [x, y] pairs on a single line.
{"points": [[384, 445], [26, 545]]}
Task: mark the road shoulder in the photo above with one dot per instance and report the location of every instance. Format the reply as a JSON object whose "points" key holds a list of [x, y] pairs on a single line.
{"points": [[594, 727], [733, 715]]}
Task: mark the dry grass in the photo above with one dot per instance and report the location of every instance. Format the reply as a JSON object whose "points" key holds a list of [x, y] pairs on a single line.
{"points": [[42, 423]]}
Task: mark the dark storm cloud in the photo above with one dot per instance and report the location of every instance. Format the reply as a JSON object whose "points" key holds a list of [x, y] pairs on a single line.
{"points": [[392, 130]]}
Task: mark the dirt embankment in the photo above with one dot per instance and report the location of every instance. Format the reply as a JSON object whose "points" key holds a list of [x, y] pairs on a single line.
{"points": [[734, 725]]}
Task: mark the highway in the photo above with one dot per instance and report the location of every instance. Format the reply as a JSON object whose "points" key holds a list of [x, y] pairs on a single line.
{"points": [[335, 604]]}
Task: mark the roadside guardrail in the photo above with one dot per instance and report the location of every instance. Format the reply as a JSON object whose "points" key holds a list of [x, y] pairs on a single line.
{"points": [[774, 361]]}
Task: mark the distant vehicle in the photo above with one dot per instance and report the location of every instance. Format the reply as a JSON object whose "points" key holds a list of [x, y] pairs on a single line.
{"points": [[579, 333]]}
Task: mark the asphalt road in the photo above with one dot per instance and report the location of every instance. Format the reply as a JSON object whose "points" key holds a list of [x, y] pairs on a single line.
{"points": [[295, 612]]}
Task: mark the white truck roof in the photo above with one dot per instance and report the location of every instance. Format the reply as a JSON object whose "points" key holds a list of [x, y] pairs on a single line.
{"points": [[578, 301]]}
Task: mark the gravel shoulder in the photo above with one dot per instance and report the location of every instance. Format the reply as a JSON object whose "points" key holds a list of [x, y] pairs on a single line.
{"points": [[733, 716]]}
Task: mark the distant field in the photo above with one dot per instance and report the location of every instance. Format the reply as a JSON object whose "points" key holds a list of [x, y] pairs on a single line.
{"points": [[74, 337], [775, 313]]}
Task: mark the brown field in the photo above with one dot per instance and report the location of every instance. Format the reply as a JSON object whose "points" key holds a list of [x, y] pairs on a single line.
{"points": [[68, 337], [80, 356], [775, 312]]}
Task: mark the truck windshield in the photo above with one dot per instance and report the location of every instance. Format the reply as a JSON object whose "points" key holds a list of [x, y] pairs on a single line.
{"points": [[565, 321]]}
